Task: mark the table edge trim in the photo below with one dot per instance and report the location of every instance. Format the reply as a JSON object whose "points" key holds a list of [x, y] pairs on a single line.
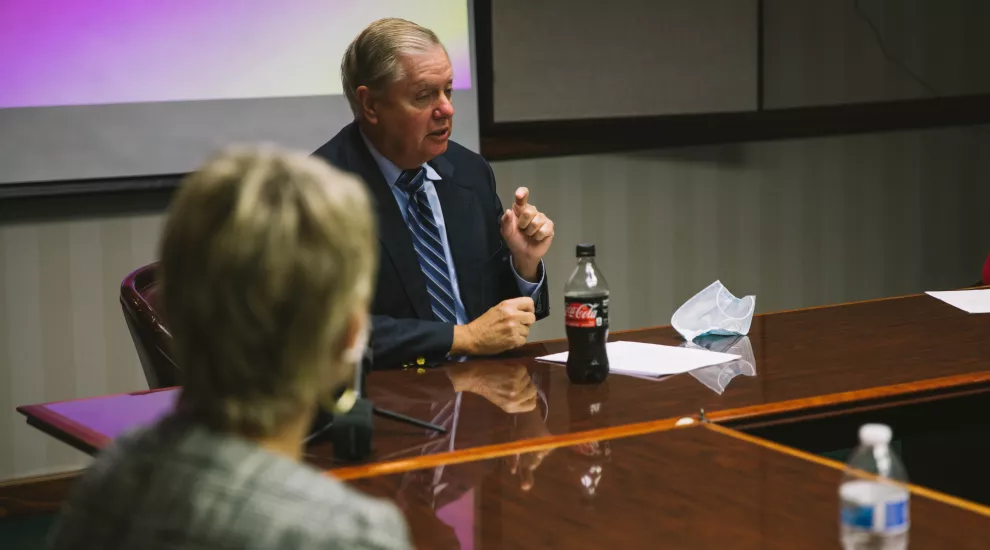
{"points": [[89, 439], [946, 383], [486, 452], [932, 494]]}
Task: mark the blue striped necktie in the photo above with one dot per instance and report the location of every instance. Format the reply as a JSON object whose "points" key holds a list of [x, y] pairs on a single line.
{"points": [[428, 244]]}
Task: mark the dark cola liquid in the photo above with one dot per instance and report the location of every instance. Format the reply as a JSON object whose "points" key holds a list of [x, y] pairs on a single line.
{"points": [[586, 322]]}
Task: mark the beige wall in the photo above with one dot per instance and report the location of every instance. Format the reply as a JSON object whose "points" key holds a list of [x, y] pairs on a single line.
{"points": [[674, 56], [606, 63], [821, 52], [62, 334], [798, 223]]}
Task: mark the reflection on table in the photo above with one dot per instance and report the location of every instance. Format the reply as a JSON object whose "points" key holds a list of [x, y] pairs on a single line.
{"points": [[692, 488]]}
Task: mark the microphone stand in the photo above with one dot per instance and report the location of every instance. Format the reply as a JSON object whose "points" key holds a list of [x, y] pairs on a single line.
{"points": [[351, 432], [391, 415], [363, 367]]}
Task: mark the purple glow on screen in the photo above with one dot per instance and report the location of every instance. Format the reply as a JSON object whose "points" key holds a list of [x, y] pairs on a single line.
{"points": [[116, 414], [79, 52]]}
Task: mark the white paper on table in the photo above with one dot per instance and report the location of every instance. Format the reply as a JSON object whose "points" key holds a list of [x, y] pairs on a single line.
{"points": [[970, 301], [639, 359]]}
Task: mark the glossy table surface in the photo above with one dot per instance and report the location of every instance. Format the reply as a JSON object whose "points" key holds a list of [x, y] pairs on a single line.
{"points": [[532, 461], [696, 488], [794, 363], [801, 361]]}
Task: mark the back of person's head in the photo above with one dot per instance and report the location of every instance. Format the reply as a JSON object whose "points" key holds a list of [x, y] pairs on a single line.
{"points": [[267, 265]]}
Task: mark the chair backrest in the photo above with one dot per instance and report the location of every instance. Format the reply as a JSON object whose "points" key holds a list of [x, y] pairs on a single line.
{"points": [[139, 295], [139, 298]]}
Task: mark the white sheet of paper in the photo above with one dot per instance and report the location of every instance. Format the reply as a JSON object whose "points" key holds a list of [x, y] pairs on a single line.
{"points": [[637, 358], [970, 301]]}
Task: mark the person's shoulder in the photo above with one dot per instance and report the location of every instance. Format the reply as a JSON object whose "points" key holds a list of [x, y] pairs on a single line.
{"points": [[469, 169], [127, 448], [325, 511], [336, 150], [108, 489], [460, 156]]}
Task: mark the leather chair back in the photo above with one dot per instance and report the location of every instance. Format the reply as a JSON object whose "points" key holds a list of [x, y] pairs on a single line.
{"points": [[139, 299]]}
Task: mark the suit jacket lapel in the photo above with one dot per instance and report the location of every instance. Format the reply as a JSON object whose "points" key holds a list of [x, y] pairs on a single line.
{"points": [[456, 202], [392, 229]]}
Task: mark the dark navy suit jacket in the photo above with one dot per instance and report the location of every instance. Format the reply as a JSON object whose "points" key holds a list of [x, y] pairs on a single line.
{"points": [[404, 328]]}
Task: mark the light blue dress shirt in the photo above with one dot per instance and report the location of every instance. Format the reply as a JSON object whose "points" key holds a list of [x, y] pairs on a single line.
{"points": [[391, 174]]}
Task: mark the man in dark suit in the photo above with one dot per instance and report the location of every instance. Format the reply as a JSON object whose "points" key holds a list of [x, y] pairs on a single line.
{"points": [[458, 274]]}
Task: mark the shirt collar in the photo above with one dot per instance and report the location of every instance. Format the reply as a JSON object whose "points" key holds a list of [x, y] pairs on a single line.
{"points": [[388, 168]]}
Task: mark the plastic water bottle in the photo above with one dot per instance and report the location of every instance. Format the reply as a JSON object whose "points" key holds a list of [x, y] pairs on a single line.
{"points": [[875, 511]]}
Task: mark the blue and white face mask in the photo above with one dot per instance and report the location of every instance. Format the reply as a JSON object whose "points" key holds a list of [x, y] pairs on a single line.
{"points": [[717, 377], [714, 311]]}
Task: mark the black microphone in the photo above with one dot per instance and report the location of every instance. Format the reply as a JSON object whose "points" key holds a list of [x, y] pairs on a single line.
{"points": [[351, 429]]}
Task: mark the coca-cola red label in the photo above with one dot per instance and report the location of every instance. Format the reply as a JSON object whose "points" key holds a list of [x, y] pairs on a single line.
{"points": [[586, 313]]}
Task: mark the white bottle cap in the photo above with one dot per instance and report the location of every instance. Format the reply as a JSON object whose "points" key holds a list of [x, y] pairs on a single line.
{"points": [[875, 434]]}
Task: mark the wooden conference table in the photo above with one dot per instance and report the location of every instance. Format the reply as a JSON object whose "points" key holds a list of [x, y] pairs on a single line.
{"points": [[649, 462]]}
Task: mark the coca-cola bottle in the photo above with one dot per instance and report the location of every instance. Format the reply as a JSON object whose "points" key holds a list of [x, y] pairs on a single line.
{"points": [[586, 320]]}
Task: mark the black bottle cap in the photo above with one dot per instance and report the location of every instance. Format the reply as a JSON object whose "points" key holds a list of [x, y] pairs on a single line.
{"points": [[585, 250]]}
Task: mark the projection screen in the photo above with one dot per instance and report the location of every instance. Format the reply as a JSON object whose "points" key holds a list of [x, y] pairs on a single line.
{"points": [[95, 89]]}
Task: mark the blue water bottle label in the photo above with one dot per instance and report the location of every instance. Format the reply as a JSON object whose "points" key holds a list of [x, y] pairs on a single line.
{"points": [[858, 517], [888, 517], [896, 515], [875, 507]]}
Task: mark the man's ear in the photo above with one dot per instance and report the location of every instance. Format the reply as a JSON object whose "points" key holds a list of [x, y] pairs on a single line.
{"points": [[355, 337], [367, 104], [351, 344]]}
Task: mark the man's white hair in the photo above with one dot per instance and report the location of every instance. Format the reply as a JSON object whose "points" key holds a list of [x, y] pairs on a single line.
{"points": [[372, 59]]}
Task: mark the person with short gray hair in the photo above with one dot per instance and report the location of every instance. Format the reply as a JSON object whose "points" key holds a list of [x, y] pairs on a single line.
{"points": [[267, 268], [373, 58], [459, 276]]}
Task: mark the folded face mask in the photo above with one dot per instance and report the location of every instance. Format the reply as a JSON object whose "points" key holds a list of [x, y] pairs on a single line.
{"points": [[714, 311], [717, 377]]}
